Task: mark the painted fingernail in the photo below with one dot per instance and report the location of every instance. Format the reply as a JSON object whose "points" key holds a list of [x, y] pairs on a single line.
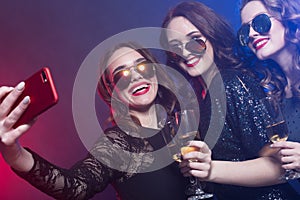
{"points": [[26, 100], [20, 86]]}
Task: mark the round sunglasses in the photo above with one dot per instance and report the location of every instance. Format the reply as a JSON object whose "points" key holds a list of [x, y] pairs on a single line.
{"points": [[122, 78], [194, 45], [261, 24]]}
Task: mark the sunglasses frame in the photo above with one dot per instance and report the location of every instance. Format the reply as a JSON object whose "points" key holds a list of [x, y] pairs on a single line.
{"points": [[261, 23], [176, 57], [126, 79]]}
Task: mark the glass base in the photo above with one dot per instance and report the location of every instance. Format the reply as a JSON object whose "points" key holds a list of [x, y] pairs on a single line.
{"points": [[201, 196], [197, 193], [194, 190]]}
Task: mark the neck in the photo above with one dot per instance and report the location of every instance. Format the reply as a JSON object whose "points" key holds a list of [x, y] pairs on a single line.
{"points": [[147, 117], [285, 60], [210, 74]]}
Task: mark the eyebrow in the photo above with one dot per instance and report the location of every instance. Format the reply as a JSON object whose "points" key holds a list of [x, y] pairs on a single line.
{"points": [[124, 66], [256, 16], [188, 35], [191, 33]]}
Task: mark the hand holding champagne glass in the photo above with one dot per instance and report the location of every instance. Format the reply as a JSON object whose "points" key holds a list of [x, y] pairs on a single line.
{"points": [[187, 124]]}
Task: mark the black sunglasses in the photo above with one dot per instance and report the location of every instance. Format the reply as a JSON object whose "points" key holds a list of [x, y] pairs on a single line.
{"points": [[122, 78], [195, 45], [261, 24]]}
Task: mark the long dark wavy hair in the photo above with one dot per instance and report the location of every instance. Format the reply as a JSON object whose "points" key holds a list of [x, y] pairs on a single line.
{"points": [[213, 27], [120, 112], [288, 13]]}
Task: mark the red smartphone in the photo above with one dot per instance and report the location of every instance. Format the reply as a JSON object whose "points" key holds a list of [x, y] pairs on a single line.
{"points": [[42, 92]]}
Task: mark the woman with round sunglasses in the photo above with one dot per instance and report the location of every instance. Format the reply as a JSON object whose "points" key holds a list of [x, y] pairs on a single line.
{"points": [[132, 85], [201, 44], [271, 30]]}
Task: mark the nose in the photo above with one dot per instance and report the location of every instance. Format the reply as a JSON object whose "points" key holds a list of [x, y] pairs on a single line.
{"points": [[135, 75], [185, 52], [252, 32]]}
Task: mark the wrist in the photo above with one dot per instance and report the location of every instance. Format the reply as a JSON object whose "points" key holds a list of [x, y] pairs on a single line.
{"points": [[11, 153], [17, 157], [211, 174]]}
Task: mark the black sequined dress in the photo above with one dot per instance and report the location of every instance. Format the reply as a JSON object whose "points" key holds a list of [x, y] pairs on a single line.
{"points": [[242, 136]]}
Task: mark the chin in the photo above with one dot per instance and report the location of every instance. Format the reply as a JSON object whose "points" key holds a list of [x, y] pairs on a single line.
{"points": [[194, 73], [262, 57]]}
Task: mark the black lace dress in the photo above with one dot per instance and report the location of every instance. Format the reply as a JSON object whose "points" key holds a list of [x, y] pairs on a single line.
{"points": [[125, 161], [243, 136]]}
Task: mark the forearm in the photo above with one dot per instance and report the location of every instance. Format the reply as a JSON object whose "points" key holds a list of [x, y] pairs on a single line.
{"points": [[258, 172], [82, 181]]}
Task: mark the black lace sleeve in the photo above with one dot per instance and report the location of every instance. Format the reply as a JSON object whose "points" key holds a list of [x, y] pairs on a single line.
{"points": [[82, 181], [110, 161]]}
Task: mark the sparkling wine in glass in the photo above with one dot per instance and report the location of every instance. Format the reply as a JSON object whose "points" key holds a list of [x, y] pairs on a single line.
{"points": [[187, 130], [277, 132]]}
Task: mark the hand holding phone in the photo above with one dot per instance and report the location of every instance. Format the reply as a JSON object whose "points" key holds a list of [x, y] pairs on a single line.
{"points": [[42, 92]]}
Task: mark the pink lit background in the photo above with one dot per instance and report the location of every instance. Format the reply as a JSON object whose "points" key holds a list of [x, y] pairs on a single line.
{"points": [[60, 34]]}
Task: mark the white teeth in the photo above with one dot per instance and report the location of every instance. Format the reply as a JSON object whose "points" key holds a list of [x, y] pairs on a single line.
{"points": [[192, 61], [140, 88], [260, 43]]}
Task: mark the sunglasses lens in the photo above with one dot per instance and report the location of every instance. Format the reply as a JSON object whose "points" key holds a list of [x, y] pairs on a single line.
{"points": [[174, 53], [196, 46], [261, 23], [243, 34], [145, 69], [123, 77]]}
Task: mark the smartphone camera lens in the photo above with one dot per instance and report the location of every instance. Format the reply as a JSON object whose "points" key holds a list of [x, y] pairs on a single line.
{"points": [[44, 77]]}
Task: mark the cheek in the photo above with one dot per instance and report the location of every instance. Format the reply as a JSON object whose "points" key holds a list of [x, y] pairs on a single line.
{"points": [[277, 33], [155, 84], [279, 39], [122, 95], [208, 59]]}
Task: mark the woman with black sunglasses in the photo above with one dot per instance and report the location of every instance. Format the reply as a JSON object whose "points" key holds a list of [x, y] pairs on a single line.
{"points": [[201, 45], [271, 30], [131, 156]]}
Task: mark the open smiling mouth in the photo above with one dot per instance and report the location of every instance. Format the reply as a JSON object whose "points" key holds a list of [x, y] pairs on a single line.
{"points": [[193, 61], [258, 44], [142, 89]]}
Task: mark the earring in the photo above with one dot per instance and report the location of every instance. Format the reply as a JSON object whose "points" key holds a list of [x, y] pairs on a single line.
{"points": [[297, 34]]}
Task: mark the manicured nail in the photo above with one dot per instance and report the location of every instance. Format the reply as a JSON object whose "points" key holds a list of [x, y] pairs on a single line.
{"points": [[20, 86], [26, 100]]}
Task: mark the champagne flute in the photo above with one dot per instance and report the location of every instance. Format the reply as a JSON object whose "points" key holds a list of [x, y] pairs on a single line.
{"points": [[277, 129], [186, 129]]}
